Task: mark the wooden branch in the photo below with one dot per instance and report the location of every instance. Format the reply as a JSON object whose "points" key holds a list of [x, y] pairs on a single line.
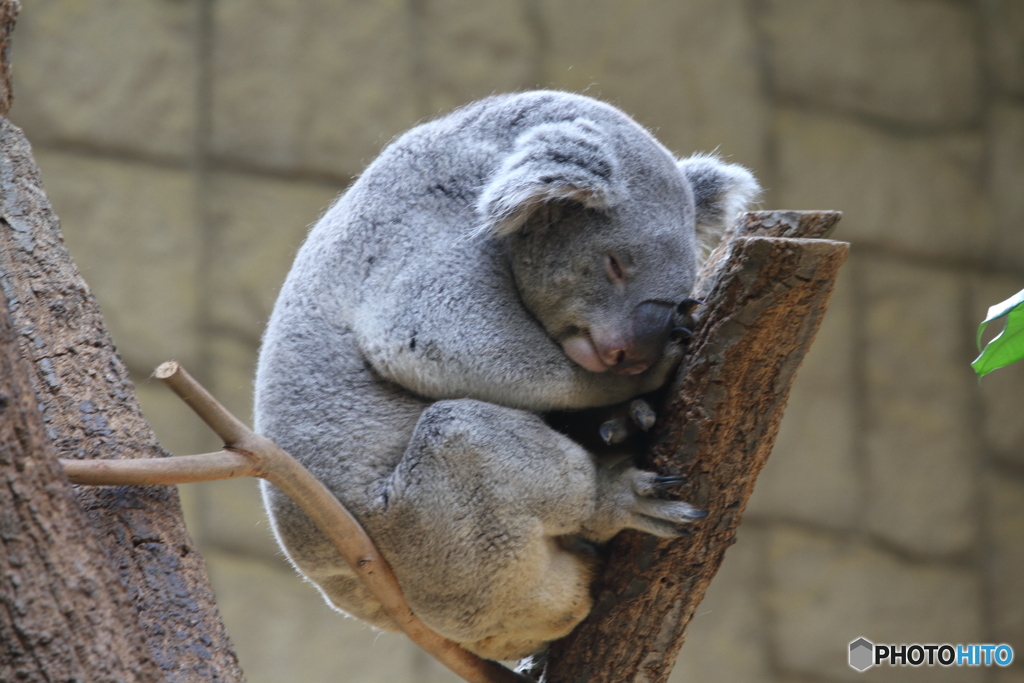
{"points": [[765, 297], [184, 469], [90, 411], [56, 581], [249, 454]]}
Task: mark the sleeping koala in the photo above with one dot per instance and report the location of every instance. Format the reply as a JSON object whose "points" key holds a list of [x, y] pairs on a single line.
{"points": [[524, 254]]}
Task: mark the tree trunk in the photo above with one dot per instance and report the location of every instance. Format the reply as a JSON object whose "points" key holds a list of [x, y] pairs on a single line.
{"points": [[764, 299], [9, 10], [90, 411], [64, 614]]}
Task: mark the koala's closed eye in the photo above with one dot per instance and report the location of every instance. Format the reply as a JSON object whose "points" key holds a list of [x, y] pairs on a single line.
{"points": [[614, 269]]}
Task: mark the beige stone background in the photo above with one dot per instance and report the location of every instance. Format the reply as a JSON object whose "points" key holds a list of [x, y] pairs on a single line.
{"points": [[188, 144]]}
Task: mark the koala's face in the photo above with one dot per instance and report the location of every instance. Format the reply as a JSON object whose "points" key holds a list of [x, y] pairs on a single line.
{"points": [[601, 225], [605, 283]]}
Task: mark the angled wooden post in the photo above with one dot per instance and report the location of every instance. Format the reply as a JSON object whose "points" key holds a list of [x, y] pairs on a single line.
{"points": [[766, 288]]}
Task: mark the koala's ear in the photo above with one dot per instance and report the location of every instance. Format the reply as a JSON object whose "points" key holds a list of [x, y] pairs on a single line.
{"points": [[564, 160], [720, 192]]}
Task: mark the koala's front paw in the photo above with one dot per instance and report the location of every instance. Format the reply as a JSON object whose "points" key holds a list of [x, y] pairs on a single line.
{"points": [[628, 498], [638, 415], [657, 516]]}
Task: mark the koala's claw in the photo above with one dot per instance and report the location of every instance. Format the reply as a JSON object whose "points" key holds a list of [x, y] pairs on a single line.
{"points": [[681, 335], [666, 518], [668, 480], [642, 413], [687, 306]]}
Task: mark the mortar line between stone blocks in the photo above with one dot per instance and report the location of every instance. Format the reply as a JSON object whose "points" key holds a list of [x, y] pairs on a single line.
{"points": [[220, 330], [891, 127], [207, 229], [418, 68], [987, 104], [207, 239], [754, 9], [214, 164], [1006, 469], [867, 539], [1007, 97], [955, 265], [765, 614], [535, 21], [983, 547], [859, 388]]}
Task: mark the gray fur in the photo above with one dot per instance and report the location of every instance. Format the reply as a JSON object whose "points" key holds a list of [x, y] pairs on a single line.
{"points": [[426, 324]]}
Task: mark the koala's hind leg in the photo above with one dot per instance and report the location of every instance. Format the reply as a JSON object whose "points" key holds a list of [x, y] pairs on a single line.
{"points": [[472, 516]]}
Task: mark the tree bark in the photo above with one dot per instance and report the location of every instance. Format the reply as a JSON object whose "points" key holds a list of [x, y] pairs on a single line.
{"points": [[764, 300], [9, 10], [64, 614], [90, 411]]}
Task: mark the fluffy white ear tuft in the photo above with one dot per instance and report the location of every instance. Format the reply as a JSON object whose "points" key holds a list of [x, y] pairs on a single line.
{"points": [[721, 192], [564, 160]]}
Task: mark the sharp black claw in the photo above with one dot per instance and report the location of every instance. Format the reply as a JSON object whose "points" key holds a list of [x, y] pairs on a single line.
{"points": [[684, 531], [681, 334], [697, 514], [687, 306], [669, 480]]}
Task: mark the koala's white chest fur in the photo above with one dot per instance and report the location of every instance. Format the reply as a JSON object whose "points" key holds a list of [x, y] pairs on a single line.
{"points": [[422, 330]]}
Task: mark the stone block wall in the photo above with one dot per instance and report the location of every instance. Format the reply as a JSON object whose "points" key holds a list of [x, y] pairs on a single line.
{"points": [[188, 144]]}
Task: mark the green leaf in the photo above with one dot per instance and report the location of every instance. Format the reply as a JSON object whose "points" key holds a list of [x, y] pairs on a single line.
{"points": [[1008, 347]]}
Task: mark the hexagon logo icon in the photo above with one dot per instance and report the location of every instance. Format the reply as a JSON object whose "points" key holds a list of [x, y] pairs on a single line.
{"points": [[862, 653]]}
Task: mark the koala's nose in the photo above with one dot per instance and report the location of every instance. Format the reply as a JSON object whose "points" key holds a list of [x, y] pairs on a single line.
{"points": [[652, 324], [639, 343]]}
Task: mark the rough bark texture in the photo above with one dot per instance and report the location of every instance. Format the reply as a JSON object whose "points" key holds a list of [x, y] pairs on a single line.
{"points": [[90, 411], [765, 297], [56, 582], [9, 10]]}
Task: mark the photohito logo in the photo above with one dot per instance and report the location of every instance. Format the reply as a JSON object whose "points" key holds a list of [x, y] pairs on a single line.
{"points": [[865, 654]]}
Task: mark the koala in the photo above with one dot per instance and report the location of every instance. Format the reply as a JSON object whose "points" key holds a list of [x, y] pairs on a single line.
{"points": [[522, 255]]}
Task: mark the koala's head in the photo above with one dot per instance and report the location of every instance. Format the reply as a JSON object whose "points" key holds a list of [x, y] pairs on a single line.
{"points": [[605, 231]]}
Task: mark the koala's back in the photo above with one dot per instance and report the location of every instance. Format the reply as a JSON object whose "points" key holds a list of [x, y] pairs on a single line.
{"points": [[419, 197]]}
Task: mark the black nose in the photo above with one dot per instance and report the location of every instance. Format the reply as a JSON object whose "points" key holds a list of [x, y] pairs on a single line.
{"points": [[652, 324]]}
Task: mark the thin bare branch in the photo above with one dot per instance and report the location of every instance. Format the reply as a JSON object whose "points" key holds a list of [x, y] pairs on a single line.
{"points": [[186, 469], [255, 455]]}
